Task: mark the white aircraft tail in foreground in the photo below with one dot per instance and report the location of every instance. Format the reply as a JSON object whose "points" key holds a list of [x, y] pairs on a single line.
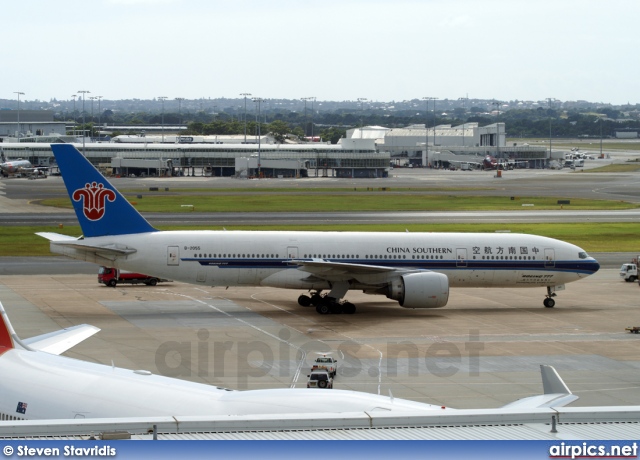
{"points": [[37, 383], [415, 269]]}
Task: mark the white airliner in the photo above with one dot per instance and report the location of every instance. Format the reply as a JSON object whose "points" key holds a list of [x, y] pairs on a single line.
{"points": [[37, 383], [416, 269], [19, 166]]}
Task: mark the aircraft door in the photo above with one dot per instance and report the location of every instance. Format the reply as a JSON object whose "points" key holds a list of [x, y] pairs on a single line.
{"points": [[461, 257], [292, 252], [173, 255], [549, 258]]}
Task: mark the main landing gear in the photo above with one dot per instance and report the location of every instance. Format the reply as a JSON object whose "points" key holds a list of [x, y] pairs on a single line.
{"points": [[325, 304]]}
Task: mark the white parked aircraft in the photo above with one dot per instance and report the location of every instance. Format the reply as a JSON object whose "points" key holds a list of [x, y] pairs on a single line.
{"points": [[416, 269], [37, 383], [19, 166]]}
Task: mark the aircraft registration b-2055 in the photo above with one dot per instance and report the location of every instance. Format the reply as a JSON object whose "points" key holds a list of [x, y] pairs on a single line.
{"points": [[415, 269]]}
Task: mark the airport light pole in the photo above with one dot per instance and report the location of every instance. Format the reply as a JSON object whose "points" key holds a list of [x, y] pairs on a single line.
{"points": [[601, 157], [93, 98], [162, 98], [19, 93], [426, 100], [245, 114], [74, 113], [497, 104], [258, 100], [305, 99], [99, 114], [83, 92], [361, 100], [180, 99], [550, 100], [464, 122], [313, 99]]}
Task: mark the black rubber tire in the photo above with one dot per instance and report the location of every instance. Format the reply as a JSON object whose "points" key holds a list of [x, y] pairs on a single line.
{"points": [[112, 283], [322, 384], [152, 282], [348, 308], [323, 309], [549, 302], [304, 301]]}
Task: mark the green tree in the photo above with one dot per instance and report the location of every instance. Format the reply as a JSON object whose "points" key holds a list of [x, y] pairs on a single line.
{"points": [[333, 134], [279, 129]]}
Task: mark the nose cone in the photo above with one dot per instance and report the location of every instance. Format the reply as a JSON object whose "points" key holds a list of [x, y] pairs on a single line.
{"points": [[588, 267]]}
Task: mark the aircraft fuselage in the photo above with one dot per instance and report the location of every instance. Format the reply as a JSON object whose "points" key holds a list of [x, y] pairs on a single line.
{"points": [[235, 258]]}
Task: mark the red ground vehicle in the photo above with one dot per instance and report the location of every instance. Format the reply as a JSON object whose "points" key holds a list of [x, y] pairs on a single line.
{"points": [[112, 276]]}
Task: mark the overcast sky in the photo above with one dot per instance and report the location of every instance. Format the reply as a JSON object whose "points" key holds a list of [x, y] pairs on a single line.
{"points": [[384, 50]]}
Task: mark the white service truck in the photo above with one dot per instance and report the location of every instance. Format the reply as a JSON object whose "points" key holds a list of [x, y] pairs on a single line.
{"points": [[327, 363], [629, 272]]}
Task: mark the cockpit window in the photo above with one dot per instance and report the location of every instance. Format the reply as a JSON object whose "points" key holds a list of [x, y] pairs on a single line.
{"points": [[583, 255]]}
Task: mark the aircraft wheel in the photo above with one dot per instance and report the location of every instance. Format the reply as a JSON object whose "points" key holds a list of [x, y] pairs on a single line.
{"points": [[336, 308], [316, 299], [549, 302], [304, 300], [348, 308], [112, 283], [323, 309]]}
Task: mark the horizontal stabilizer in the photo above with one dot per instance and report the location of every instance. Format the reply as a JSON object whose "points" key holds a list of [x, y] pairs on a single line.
{"points": [[56, 236], [60, 341], [556, 392], [71, 242], [53, 342]]}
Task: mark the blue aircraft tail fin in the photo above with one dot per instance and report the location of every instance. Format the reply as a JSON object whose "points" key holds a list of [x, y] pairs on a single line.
{"points": [[100, 208]]}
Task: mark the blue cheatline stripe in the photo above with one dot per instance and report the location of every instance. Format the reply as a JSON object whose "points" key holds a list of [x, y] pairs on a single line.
{"points": [[100, 208], [497, 265]]}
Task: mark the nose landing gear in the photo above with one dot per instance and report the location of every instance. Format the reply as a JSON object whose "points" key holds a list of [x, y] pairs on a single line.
{"points": [[551, 293]]}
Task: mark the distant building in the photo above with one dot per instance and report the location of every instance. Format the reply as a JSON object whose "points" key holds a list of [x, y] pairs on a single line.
{"points": [[350, 158], [626, 133], [31, 123], [416, 145]]}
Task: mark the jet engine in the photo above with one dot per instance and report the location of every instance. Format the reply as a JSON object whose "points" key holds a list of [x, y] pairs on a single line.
{"points": [[420, 290]]}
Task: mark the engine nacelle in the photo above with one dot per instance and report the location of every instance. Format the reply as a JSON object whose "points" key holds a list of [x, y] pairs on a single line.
{"points": [[420, 290]]}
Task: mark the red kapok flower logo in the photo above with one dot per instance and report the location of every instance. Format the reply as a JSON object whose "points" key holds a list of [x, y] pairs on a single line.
{"points": [[94, 197]]}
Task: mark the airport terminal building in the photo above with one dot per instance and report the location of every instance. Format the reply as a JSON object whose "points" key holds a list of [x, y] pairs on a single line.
{"points": [[351, 158], [366, 152], [417, 145]]}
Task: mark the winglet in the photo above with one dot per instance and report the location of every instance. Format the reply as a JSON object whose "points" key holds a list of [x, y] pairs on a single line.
{"points": [[552, 383], [100, 208], [556, 392]]}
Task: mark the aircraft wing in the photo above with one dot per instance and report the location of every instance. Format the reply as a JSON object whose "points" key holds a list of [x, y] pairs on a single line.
{"points": [[72, 242], [340, 271], [319, 266], [60, 341], [556, 392]]}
